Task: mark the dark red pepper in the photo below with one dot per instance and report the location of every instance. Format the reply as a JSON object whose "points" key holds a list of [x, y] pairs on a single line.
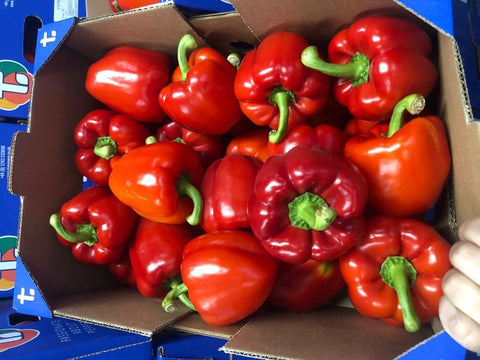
{"points": [[308, 204], [324, 136], [208, 147], [102, 134], [96, 225]]}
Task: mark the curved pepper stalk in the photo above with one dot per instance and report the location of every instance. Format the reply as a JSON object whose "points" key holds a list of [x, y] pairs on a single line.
{"points": [[356, 69], [185, 188], [178, 291], [398, 273], [84, 233], [414, 104], [281, 98], [187, 43]]}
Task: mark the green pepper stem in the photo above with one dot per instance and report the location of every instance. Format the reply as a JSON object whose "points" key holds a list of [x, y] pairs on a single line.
{"points": [[234, 59], [187, 42], [85, 232], [398, 273], [178, 291], [310, 212], [105, 147], [151, 140], [414, 104], [185, 188], [281, 98], [356, 69]]}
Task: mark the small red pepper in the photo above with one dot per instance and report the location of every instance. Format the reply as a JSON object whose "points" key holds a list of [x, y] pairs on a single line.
{"points": [[124, 5], [275, 89], [208, 147], [96, 225], [160, 181], [308, 203], [253, 143], [306, 286], [406, 168], [202, 100], [227, 274], [102, 134], [121, 271], [226, 189], [377, 61], [156, 254], [395, 273], [128, 79], [327, 137]]}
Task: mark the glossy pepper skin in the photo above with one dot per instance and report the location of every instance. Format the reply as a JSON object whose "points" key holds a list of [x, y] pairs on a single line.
{"points": [[327, 137], [200, 96], [156, 254], [306, 286], [275, 89], [102, 134], [406, 169], [377, 61], [208, 147], [160, 181], [308, 204], [128, 79], [96, 225], [253, 142], [395, 273], [226, 189], [228, 275]]}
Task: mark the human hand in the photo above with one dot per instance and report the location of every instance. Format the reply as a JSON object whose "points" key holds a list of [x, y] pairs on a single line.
{"points": [[459, 309]]}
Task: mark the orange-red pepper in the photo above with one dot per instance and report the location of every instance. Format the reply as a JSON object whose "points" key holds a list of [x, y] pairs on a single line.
{"points": [[160, 181], [405, 169]]}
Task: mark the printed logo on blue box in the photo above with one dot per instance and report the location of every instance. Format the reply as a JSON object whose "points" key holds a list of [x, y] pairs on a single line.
{"points": [[21, 21]]}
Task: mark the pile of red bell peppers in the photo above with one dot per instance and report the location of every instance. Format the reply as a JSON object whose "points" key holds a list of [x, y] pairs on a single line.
{"points": [[275, 181]]}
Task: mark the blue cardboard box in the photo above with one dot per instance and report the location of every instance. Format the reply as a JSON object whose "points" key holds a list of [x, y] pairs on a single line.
{"points": [[28, 337], [21, 20], [9, 212]]}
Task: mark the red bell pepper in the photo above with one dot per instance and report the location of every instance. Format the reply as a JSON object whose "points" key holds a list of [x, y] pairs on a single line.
{"points": [[377, 61], [395, 273], [325, 136], [226, 189], [122, 272], [202, 100], [96, 225], [208, 147], [128, 79], [308, 204], [253, 143], [227, 274], [102, 134], [275, 89], [160, 181], [405, 169], [156, 254], [306, 286]]}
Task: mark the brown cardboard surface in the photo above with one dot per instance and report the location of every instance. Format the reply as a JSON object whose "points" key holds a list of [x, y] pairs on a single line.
{"points": [[283, 335], [194, 324], [44, 173], [121, 307]]}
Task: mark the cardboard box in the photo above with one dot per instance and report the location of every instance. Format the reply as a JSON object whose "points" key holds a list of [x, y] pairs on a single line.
{"points": [[21, 20], [9, 212], [79, 291], [28, 337]]}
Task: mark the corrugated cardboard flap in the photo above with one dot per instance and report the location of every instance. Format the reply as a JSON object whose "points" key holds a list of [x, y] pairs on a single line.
{"points": [[317, 335]]}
